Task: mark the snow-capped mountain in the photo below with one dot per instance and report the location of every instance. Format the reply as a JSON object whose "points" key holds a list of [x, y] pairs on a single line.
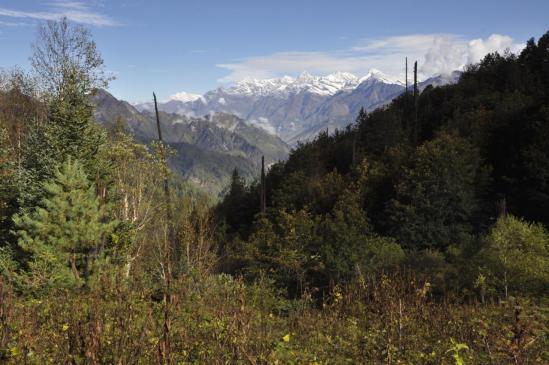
{"points": [[285, 86], [293, 108]]}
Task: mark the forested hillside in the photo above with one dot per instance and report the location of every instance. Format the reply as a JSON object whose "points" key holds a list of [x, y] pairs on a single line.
{"points": [[418, 235], [427, 182]]}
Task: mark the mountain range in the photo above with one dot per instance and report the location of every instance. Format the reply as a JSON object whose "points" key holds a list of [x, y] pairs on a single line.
{"points": [[295, 109], [207, 149], [232, 127]]}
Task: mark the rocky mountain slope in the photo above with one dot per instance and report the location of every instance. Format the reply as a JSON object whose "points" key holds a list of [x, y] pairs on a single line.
{"points": [[207, 149]]}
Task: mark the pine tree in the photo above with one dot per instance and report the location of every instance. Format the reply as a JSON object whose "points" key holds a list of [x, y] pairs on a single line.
{"points": [[234, 209], [361, 117], [238, 186], [69, 131], [66, 232], [71, 125]]}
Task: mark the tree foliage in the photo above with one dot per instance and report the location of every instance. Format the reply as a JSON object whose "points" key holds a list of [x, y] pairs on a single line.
{"points": [[64, 50], [436, 199], [373, 247], [423, 176], [66, 232], [69, 130], [517, 255]]}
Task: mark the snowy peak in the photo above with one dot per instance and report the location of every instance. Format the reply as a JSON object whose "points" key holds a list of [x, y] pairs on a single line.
{"points": [[259, 87], [324, 85], [341, 77], [377, 75], [305, 77], [287, 85], [184, 97]]}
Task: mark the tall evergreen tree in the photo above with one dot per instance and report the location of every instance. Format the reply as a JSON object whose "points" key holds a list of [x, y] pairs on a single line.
{"points": [[69, 131], [234, 208], [64, 234]]}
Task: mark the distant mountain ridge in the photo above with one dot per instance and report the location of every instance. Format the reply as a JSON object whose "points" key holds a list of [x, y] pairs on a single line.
{"points": [[207, 149], [296, 108]]}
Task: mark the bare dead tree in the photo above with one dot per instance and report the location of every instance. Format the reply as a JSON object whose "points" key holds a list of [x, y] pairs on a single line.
{"points": [[263, 187], [416, 94], [406, 82], [415, 80], [169, 241]]}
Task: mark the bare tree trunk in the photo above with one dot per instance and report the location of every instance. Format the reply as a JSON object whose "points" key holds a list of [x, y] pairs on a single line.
{"points": [[406, 82], [263, 187], [75, 272], [169, 243], [416, 93], [505, 283]]}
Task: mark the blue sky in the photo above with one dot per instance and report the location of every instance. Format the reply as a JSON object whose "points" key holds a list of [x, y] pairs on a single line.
{"points": [[195, 46]]}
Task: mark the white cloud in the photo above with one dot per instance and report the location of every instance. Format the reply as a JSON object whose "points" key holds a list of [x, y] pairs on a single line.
{"points": [[447, 55], [288, 62], [76, 11], [477, 48], [264, 124], [13, 24], [69, 4], [435, 53]]}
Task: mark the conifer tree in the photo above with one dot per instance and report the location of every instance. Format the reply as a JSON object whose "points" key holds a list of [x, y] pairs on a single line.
{"points": [[69, 131], [71, 126], [65, 232], [362, 116]]}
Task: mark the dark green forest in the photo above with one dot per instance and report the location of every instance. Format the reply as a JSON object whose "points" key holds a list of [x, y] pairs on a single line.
{"points": [[417, 235], [447, 182]]}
